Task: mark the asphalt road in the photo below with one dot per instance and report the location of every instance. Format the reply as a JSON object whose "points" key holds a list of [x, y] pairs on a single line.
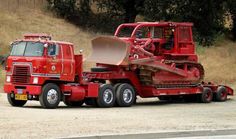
{"points": [[204, 134], [148, 116]]}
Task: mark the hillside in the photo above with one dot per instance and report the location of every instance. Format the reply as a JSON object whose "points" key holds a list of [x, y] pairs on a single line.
{"points": [[14, 24], [219, 61]]}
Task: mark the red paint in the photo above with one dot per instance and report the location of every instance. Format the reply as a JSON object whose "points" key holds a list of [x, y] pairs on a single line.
{"points": [[27, 89]]}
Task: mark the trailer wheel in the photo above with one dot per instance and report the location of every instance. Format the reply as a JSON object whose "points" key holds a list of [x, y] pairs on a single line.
{"points": [[221, 94], [16, 103], [74, 103], [125, 95], [106, 96], [50, 96], [207, 95]]}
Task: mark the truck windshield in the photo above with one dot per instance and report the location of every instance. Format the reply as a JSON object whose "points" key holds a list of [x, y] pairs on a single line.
{"points": [[27, 49]]}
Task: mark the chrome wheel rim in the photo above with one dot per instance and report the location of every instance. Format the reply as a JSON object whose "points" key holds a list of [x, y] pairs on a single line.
{"points": [[52, 96], [108, 96], [127, 95]]}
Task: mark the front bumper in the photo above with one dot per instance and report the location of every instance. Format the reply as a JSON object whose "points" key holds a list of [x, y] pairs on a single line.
{"points": [[22, 89]]}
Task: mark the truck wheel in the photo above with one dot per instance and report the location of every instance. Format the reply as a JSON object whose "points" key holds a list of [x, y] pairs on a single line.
{"points": [[50, 96], [116, 86], [206, 96], [106, 96], [221, 94], [115, 89], [16, 103], [125, 95], [74, 103]]}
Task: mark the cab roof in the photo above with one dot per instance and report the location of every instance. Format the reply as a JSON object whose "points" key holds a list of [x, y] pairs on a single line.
{"points": [[41, 37]]}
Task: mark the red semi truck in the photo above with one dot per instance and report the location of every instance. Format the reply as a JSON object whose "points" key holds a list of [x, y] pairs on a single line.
{"points": [[146, 59]]}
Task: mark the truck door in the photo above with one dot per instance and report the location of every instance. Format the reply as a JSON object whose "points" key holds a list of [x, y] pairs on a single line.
{"points": [[67, 62], [53, 61]]}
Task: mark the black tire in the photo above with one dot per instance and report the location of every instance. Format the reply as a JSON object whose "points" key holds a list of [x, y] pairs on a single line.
{"points": [[206, 96], [74, 103], [106, 96], [15, 103], [115, 89], [125, 100], [116, 86], [99, 69], [221, 94], [50, 96]]}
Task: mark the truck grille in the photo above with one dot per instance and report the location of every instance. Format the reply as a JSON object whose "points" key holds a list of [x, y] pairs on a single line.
{"points": [[21, 74]]}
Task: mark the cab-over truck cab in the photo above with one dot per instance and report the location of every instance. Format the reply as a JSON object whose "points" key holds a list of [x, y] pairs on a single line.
{"points": [[37, 64]]}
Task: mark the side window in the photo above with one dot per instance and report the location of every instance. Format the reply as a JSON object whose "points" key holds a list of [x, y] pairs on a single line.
{"points": [[168, 32], [184, 34], [143, 32], [158, 32], [53, 50]]}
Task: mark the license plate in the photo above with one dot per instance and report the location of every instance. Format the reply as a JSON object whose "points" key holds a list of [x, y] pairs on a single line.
{"points": [[20, 97]]}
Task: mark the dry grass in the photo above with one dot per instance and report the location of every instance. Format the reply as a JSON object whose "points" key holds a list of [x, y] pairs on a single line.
{"points": [[2, 78], [219, 62], [14, 24]]}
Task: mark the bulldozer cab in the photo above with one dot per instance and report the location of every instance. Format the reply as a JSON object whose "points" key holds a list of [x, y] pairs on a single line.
{"points": [[162, 38], [167, 37]]}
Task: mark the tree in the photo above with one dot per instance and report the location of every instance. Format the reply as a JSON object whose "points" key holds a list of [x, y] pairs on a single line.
{"points": [[128, 9], [85, 6], [231, 6], [64, 8], [207, 15]]}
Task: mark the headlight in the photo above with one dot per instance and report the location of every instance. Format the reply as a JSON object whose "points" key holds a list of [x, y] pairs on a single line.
{"points": [[8, 79], [35, 80]]}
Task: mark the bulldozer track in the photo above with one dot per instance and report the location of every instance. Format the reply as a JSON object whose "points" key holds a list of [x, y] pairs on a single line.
{"points": [[194, 64], [146, 73]]}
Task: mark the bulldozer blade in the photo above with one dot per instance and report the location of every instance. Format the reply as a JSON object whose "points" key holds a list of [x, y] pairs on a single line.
{"points": [[109, 50]]}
